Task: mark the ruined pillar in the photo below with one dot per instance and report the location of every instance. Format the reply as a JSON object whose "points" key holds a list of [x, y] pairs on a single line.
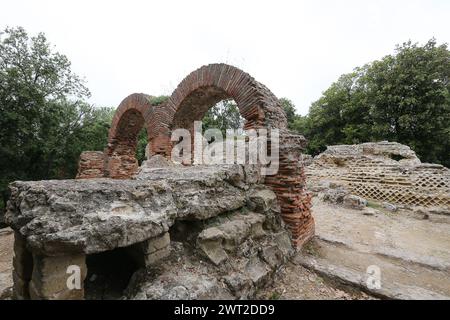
{"points": [[120, 160], [289, 186], [58, 278], [151, 251]]}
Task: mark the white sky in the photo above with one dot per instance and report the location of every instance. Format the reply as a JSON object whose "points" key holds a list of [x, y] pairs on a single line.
{"points": [[296, 48]]}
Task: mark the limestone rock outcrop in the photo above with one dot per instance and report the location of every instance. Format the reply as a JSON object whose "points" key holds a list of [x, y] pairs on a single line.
{"points": [[95, 215]]}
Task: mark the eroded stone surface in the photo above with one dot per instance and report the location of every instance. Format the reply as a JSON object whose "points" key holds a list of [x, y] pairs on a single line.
{"points": [[101, 214]]}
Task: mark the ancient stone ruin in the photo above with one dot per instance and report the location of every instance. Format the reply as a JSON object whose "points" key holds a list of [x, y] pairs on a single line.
{"points": [[385, 171], [164, 230]]}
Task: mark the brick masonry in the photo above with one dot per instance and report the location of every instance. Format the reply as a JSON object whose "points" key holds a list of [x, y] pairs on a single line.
{"points": [[199, 91], [91, 165]]}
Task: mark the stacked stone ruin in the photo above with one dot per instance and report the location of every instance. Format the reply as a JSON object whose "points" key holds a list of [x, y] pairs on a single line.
{"points": [[385, 172], [190, 101], [233, 215]]}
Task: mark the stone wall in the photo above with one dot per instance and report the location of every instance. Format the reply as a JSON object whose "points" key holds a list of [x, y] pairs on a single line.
{"points": [[166, 214], [190, 101], [383, 171]]}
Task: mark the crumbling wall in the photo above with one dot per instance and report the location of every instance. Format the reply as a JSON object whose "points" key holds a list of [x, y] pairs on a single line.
{"points": [[91, 165], [233, 222], [384, 171]]}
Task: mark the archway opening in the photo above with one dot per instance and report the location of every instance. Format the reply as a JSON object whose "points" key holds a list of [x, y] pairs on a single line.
{"points": [[214, 109], [109, 273], [123, 148], [224, 116], [142, 141]]}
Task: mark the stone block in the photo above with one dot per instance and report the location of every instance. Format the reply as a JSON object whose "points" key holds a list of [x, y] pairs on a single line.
{"points": [[283, 242], [273, 256], [213, 250], [157, 243], [240, 285], [65, 294], [150, 251], [258, 271], [50, 276], [156, 256], [23, 267], [262, 200], [23, 260], [20, 287]]}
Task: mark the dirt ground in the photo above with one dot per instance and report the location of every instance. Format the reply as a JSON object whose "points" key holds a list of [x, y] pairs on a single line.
{"points": [[298, 283], [410, 250]]}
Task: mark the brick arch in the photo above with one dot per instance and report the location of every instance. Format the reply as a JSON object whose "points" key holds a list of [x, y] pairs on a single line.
{"points": [[199, 91], [133, 114], [210, 84], [206, 86]]}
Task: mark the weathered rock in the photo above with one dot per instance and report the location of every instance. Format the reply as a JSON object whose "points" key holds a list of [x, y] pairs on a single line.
{"points": [[239, 268], [258, 271], [225, 237], [240, 285], [334, 195], [262, 200], [202, 191], [210, 242], [389, 206], [88, 216], [283, 242], [273, 256], [156, 161], [184, 286], [354, 202]]}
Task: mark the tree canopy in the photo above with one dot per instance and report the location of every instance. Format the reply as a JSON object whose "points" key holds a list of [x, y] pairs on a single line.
{"points": [[404, 97]]}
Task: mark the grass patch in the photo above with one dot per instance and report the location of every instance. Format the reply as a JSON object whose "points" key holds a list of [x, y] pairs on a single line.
{"points": [[379, 207], [374, 205], [311, 249]]}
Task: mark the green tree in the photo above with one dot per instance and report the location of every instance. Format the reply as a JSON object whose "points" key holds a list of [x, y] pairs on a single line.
{"points": [[224, 115], [289, 109], [403, 97], [142, 136]]}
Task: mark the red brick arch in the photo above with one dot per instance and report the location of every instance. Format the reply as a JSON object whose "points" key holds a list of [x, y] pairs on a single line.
{"points": [[206, 86], [199, 91], [210, 84], [133, 114]]}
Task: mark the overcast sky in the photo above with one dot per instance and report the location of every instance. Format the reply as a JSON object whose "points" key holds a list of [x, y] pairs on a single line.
{"points": [[296, 48]]}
